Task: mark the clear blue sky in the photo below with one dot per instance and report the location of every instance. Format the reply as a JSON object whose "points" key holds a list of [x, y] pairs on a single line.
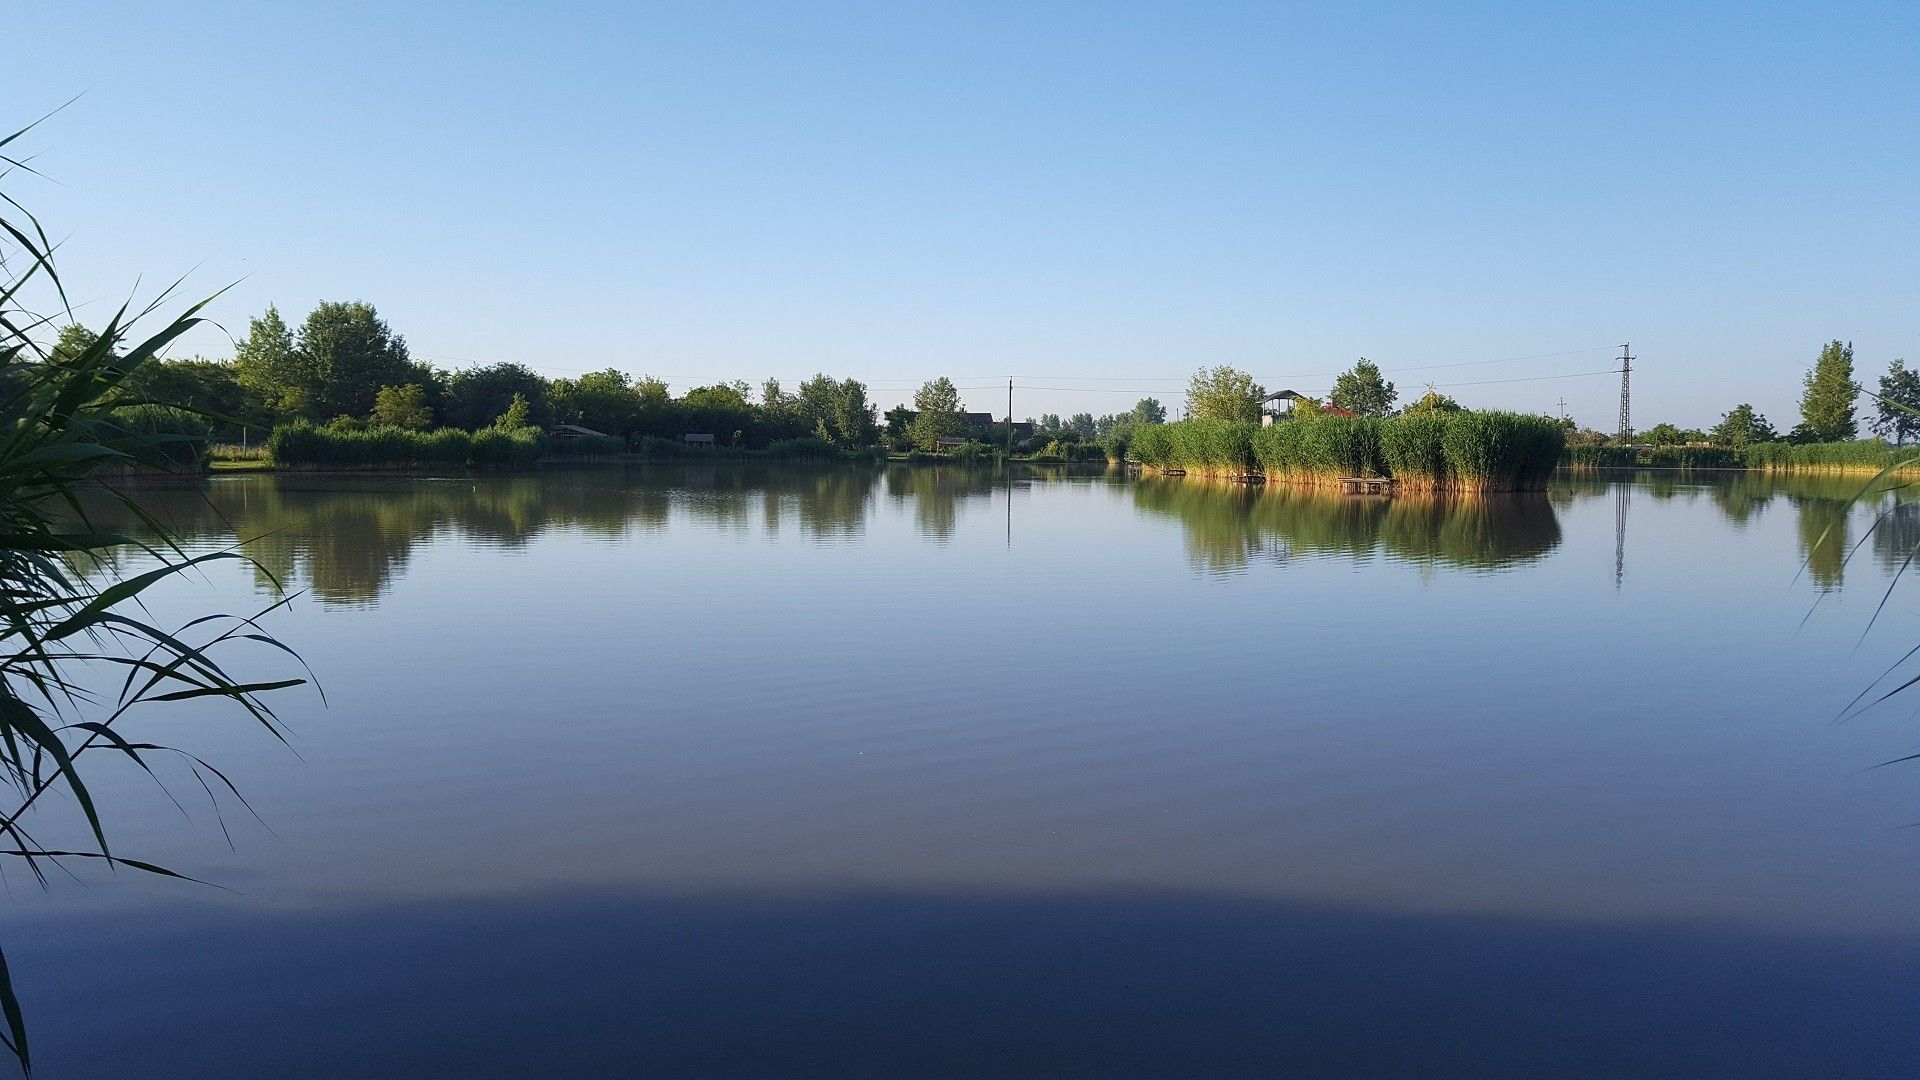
{"points": [[1067, 193]]}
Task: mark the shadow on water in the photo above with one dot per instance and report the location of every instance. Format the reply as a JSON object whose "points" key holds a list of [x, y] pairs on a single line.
{"points": [[1109, 983], [1231, 525]]}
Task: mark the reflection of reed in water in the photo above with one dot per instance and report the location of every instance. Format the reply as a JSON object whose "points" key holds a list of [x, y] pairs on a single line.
{"points": [[1229, 525]]}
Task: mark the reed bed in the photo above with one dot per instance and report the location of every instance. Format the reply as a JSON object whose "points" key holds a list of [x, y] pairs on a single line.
{"points": [[1582, 458], [1469, 452], [1862, 456], [300, 445]]}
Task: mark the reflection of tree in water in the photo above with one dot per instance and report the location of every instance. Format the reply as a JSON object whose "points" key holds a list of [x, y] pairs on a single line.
{"points": [[830, 503], [1229, 525], [936, 492], [347, 537], [1896, 536], [1826, 529], [1741, 496]]}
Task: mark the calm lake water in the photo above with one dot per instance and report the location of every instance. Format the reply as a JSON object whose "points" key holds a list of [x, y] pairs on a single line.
{"points": [[752, 772]]}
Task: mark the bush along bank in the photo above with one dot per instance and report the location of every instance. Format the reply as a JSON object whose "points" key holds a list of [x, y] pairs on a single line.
{"points": [[304, 446], [1458, 451]]}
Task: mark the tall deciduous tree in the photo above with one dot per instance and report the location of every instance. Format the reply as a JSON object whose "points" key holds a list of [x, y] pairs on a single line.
{"points": [[1826, 405], [836, 410], [602, 400], [1362, 390], [939, 416], [351, 351], [1898, 404], [1741, 426], [1149, 411], [1224, 393], [267, 364]]}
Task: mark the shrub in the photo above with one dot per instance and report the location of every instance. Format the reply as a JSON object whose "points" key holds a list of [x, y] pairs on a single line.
{"points": [[176, 437], [1692, 457], [507, 446], [810, 448], [974, 451], [587, 446]]}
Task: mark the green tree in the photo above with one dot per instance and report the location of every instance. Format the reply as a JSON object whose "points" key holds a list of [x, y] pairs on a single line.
{"points": [[1433, 401], [519, 414], [1826, 405], [210, 388], [476, 395], [839, 409], [899, 420], [266, 363], [853, 419], [1363, 391], [1664, 435], [939, 416], [1224, 393], [1741, 427], [720, 410], [1149, 411], [352, 353], [402, 406], [602, 400], [72, 344], [1897, 406]]}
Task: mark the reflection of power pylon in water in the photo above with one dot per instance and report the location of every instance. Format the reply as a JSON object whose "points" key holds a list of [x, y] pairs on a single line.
{"points": [[1621, 494]]}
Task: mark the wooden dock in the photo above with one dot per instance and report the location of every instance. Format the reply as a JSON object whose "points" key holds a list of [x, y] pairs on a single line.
{"points": [[1366, 485]]}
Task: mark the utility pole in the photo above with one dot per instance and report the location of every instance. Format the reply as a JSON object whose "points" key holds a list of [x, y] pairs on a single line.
{"points": [[1563, 410], [1626, 395], [1009, 420]]}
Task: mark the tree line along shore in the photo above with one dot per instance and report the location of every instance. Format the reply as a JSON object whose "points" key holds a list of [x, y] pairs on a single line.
{"points": [[342, 390]]}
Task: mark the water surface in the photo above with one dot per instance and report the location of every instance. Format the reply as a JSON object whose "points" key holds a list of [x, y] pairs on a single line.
{"points": [[915, 771]]}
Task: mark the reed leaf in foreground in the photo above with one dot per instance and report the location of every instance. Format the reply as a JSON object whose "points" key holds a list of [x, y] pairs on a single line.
{"points": [[78, 658]]}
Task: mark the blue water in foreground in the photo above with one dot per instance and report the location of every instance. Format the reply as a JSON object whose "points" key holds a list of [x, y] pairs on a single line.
{"points": [[749, 772]]}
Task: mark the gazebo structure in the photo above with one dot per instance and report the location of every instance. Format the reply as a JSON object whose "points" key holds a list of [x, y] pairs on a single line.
{"points": [[1270, 406]]}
